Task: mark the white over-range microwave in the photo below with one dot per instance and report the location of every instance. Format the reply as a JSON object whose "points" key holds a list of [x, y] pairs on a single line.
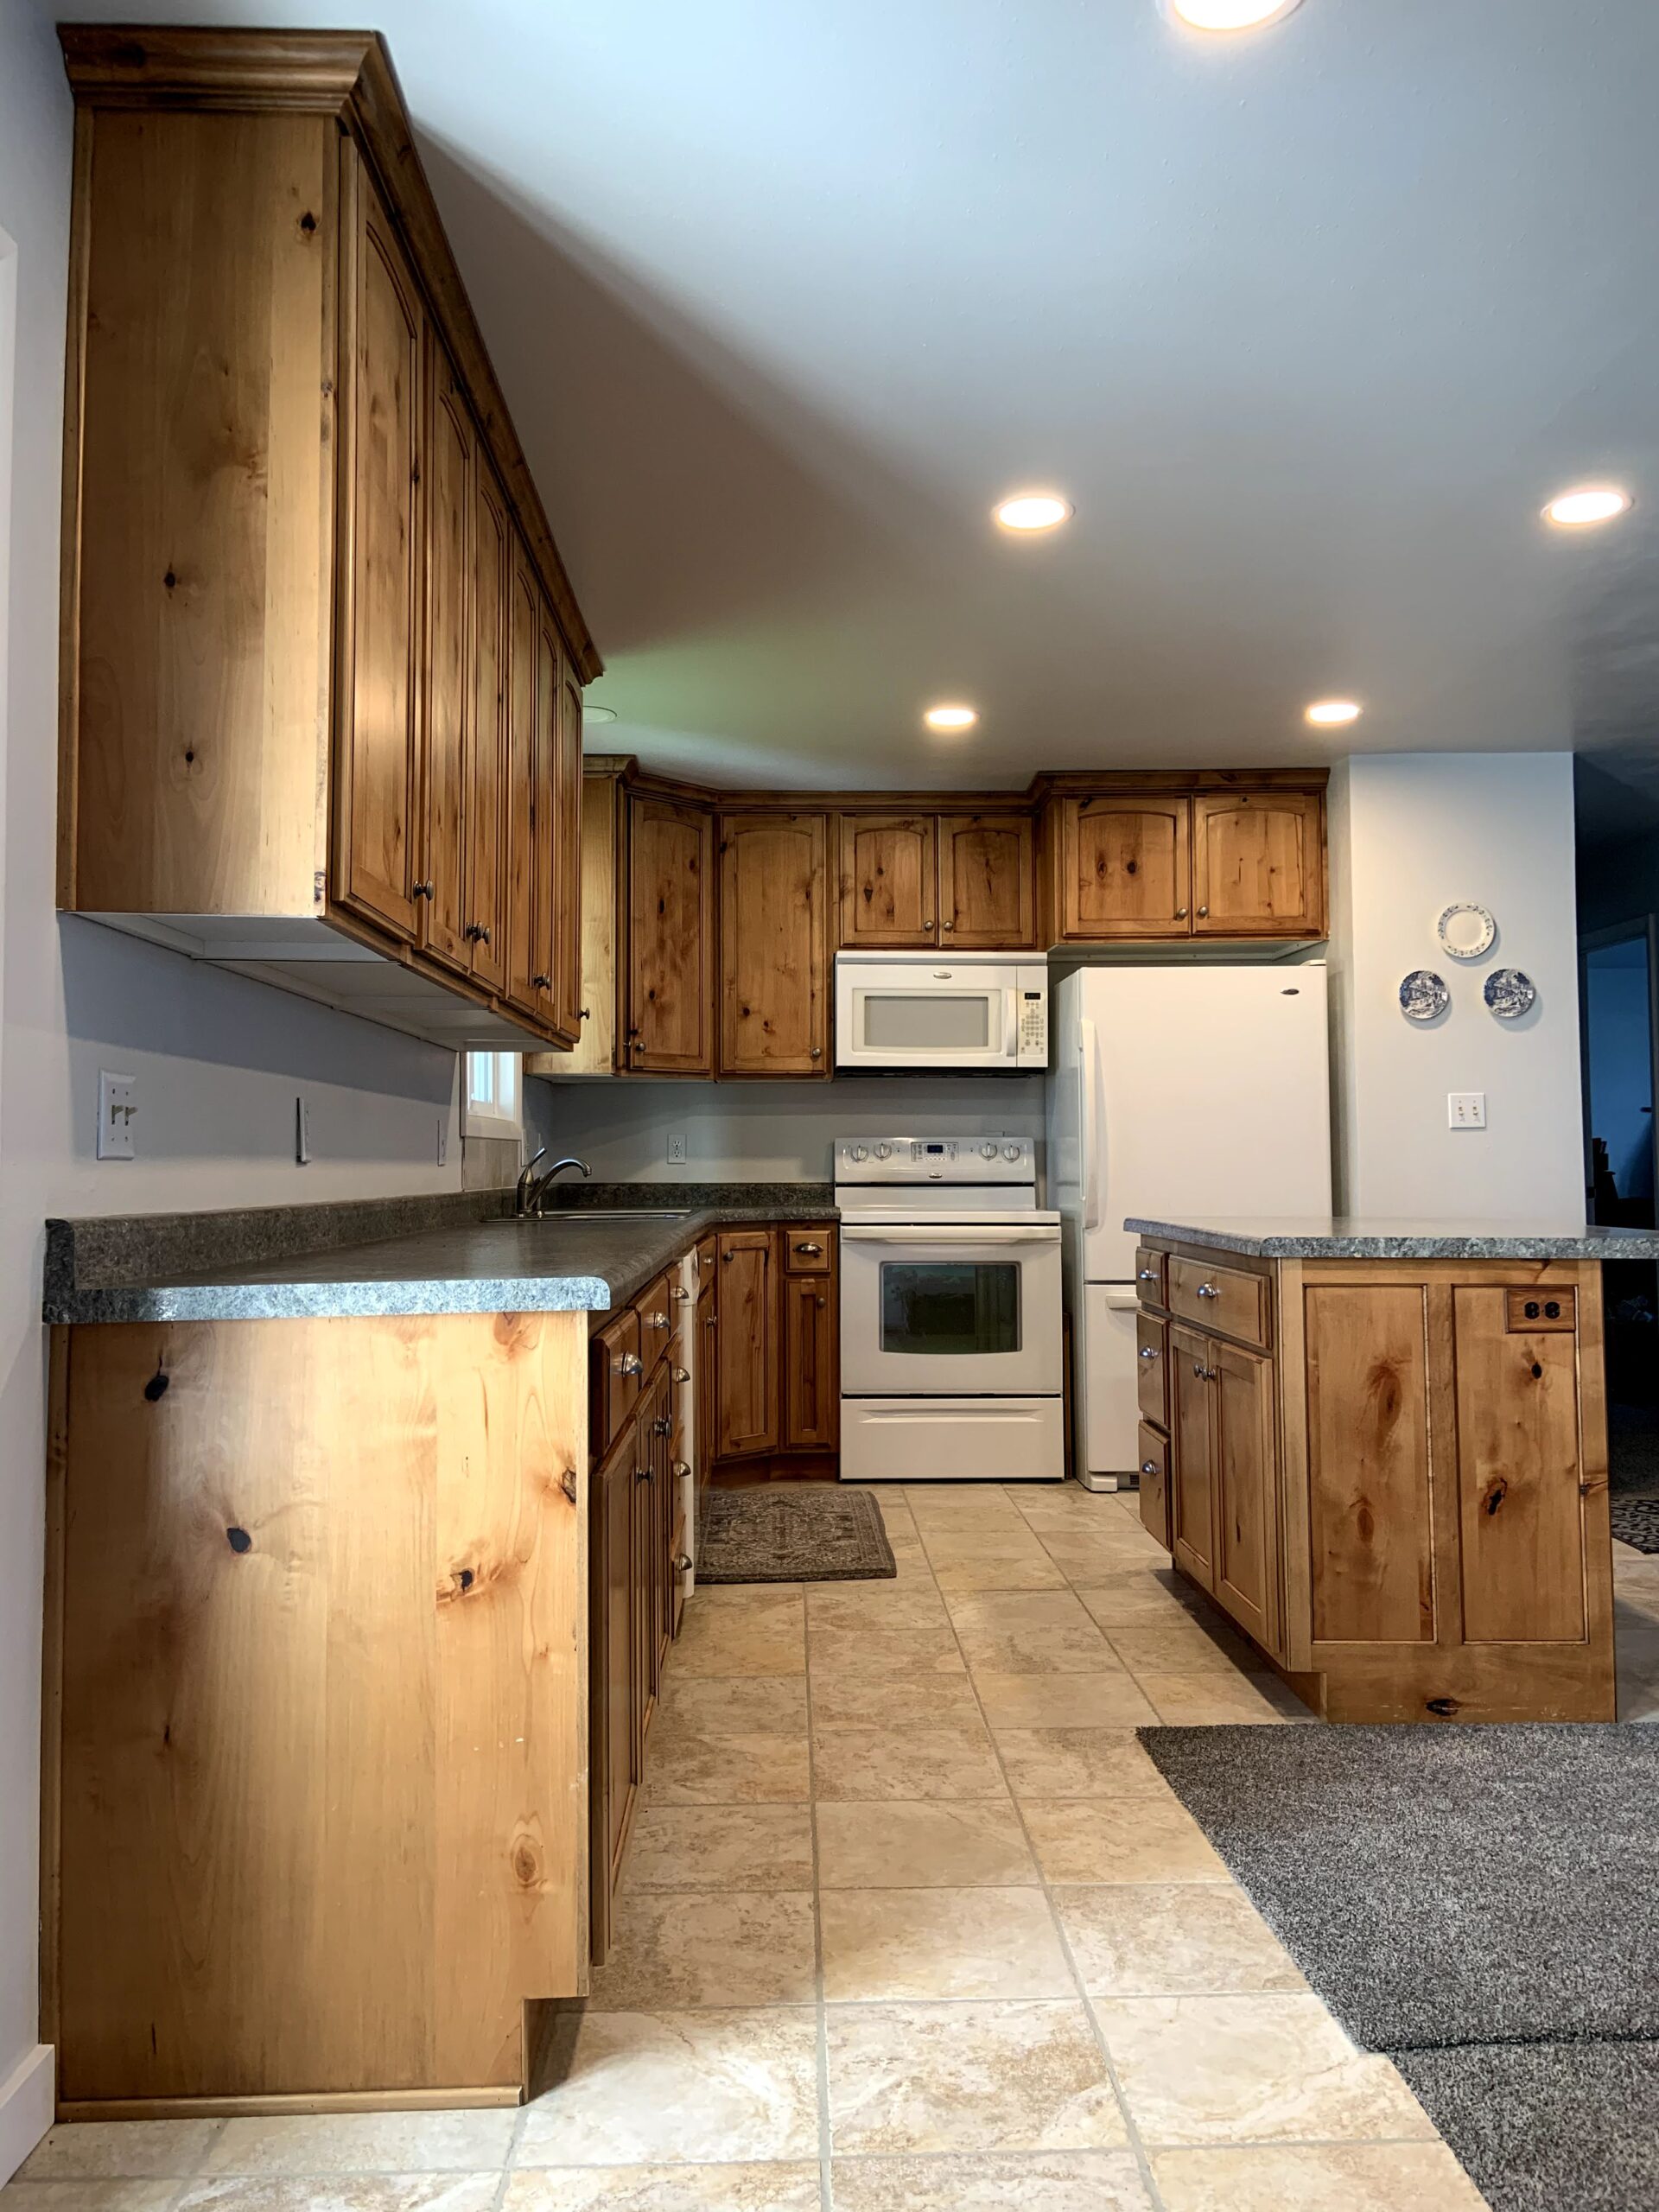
{"points": [[974, 1010]]}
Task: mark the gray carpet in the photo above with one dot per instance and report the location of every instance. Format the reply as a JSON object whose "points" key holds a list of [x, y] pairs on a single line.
{"points": [[1547, 2126], [1482, 1905], [1635, 1521], [815, 1534], [1442, 1885]]}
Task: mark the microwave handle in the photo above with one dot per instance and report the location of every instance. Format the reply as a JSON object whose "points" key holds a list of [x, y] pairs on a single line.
{"points": [[1089, 1119], [1011, 1026]]}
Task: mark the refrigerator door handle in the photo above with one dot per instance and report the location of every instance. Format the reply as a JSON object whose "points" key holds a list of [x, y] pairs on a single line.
{"points": [[1089, 1123]]}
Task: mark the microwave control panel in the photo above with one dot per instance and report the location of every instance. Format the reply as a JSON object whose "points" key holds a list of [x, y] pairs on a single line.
{"points": [[1032, 1048]]}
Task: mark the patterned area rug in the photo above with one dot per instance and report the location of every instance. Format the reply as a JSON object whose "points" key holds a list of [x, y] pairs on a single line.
{"points": [[769, 1535], [1636, 1521]]}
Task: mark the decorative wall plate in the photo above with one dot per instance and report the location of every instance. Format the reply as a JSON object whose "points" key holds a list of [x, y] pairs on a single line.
{"points": [[1423, 994], [1509, 994], [1466, 930]]}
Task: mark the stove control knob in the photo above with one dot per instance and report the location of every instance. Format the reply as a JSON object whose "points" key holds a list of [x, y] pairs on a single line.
{"points": [[884, 1152], [1010, 1151], [987, 1152], [859, 1151]]}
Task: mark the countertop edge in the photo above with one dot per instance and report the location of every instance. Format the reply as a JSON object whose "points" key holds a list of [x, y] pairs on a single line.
{"points": [[1638, 1244]]}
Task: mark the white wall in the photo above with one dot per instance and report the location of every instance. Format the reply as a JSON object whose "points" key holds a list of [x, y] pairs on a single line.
{"points": [[1409, 834], [218, 1059], [765, 1132]]}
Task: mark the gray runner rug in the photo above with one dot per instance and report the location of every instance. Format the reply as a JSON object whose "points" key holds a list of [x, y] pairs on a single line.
{"points": [[1483, 1904], [815, 1535]]}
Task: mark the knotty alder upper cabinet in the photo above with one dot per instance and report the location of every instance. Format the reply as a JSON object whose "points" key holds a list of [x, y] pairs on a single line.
{"points": [[669, 982], [916, 880], [774, 944], [322, 668], [1243, 860]]}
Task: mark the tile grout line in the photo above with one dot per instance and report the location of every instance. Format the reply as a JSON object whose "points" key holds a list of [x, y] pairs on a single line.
{"points": [[821, 2024], [1142, 2161]]}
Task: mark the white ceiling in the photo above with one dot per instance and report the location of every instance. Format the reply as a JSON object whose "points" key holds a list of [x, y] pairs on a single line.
{"points": [[1307, 324]]}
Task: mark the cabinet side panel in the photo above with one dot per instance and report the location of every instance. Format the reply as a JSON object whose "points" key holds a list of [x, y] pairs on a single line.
{"points": [[511, 1865], [248, 1710], [1371, 1519], [1518, 1476], [205, 601]]}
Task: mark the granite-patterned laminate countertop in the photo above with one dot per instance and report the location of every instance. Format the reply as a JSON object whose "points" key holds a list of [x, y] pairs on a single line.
{"points": [[1368, 1237], [446, 1256]]}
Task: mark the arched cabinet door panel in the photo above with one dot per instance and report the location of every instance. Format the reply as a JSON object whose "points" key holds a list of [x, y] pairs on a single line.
{"points": [[1257, 864]]}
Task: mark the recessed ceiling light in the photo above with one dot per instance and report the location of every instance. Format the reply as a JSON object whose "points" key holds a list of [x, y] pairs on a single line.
{"points": [[1028, 510], [591, 714], [1586, 504], [951, 717], [1330, 714], [1229, 14]]}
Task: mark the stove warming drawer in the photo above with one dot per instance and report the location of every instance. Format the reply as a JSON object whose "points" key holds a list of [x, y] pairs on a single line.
{"points": [[952, 1440]]}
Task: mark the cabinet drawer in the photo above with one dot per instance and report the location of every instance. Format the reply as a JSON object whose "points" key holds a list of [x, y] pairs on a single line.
{"points": [[809, 1251], [1151, 1287], [656, 1311], [615, 1365], [1154, 1465], [1224, 1300], [1151, 1362]]}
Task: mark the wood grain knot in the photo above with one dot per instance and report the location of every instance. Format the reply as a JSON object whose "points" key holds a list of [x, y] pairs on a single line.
{"points": [[239, 1540], [1497, 1490], [466, 1578], [157, 1385], [1446, 1707], [169, 581], [526, 1864], [308, 222]]}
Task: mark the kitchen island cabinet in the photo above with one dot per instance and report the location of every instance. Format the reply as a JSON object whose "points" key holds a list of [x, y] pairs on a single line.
{"points": [[1385, 1456]]}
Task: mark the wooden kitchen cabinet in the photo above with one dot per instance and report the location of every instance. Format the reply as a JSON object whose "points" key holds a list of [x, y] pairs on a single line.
{"points": [[965, 880], [1404, 1503], [614, 1736], [284, 682], [1258, 863], [812, 1388], [1124, 866], [889, 882], [988, 882], [670, 976], [774, 939], [381, 746], [748, 1386]]}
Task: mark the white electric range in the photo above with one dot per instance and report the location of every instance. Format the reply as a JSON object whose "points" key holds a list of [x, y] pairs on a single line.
{"points": [[952, 1368]]}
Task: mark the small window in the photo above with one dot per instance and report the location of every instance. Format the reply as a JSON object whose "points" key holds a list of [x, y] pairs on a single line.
{"points": [[493, 1090]]}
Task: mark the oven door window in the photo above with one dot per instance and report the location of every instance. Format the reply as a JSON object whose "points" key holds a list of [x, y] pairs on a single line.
{"points": [[926, 1021], [960, 1308]]}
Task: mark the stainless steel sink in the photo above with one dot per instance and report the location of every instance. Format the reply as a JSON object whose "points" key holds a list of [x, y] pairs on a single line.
{"points": [[568, 1218]]}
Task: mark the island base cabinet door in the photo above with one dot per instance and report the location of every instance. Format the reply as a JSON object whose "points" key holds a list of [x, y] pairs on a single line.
{"points": [[1245, 1491], [811, 1400], [1519, 1486], [748, 1343], [1191, 1409]]}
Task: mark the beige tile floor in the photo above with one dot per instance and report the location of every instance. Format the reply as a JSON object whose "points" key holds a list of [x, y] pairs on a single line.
{"points": [[909, 1924]]}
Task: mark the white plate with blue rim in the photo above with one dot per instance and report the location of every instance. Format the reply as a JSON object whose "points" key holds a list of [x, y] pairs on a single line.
{"points": [[1466, 930]]}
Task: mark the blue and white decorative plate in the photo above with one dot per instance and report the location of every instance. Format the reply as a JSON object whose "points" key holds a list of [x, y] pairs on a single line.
{"points": [[1509, 994], [1466, 929], [1423, 994]]}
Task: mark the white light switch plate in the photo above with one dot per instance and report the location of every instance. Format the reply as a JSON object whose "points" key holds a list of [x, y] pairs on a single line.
{"points": [[1466, 1109], [118, 1107]]}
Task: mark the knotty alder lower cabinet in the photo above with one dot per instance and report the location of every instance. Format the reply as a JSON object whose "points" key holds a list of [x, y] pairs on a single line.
{"points": [[322, 668], [316, 1708], [1392, 1473], [778, 1336]]}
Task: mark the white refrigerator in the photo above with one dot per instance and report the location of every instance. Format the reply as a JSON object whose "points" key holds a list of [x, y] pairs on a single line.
{"points": [[1183, 1094]]}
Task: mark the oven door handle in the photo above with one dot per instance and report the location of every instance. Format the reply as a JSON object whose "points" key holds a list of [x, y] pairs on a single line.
{"points": [[1047, 1233]]}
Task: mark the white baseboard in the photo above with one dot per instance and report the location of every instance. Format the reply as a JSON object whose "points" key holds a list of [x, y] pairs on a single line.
{"points": [[27, 2100]]}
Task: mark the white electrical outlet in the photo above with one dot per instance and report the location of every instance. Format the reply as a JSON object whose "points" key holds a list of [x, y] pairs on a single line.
{"points": [[1466, 1109], [676, 1150], [118, 1106], [302, 1131], [443, 1139]]}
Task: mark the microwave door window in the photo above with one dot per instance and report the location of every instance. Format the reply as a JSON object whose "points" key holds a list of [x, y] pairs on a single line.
{"points": [[962, 1309], [926, 1021]]}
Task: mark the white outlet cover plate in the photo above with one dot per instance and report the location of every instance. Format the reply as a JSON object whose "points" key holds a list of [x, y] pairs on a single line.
{"points": [[118, 1107]]}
